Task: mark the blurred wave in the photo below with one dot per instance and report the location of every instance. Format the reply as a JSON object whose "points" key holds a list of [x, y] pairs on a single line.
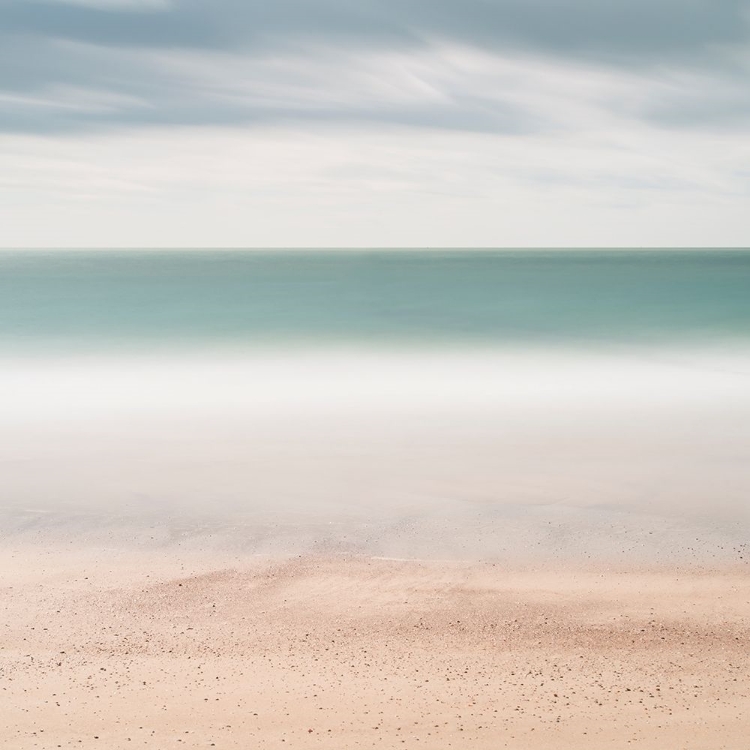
{"points": [[413, 404]]}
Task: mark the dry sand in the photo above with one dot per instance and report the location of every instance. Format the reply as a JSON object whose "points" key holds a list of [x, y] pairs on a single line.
{"points": [[167, 649]]}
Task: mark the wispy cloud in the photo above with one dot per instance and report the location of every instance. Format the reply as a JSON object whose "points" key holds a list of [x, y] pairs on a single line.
{"points": [[194, 62]]}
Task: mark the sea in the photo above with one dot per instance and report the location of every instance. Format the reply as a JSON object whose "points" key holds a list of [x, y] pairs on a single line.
{"points": [[524, 405]]}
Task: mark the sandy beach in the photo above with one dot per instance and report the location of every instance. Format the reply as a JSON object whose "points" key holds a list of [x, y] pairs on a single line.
{"points": [[118, 648]]}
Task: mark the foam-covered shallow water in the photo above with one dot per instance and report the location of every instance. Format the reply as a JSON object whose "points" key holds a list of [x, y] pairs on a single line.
{"points": [[440, 454]]}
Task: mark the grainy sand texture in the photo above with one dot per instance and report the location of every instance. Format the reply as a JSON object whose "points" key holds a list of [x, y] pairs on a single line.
{"points": [[117, 648]]}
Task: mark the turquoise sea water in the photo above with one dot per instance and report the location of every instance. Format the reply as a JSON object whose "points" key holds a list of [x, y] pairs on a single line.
{"points": [[153, 299]]}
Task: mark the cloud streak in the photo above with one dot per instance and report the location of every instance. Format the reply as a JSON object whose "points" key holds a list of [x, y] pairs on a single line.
{"points": [[617, 28], [68, 66]]}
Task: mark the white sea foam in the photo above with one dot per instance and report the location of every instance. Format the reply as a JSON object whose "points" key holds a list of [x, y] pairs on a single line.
{"points": [[295, 382], [430, 453]]}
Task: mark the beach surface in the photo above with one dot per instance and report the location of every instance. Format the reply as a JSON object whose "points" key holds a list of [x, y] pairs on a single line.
{"points": [[338, 500], [170, 648]]}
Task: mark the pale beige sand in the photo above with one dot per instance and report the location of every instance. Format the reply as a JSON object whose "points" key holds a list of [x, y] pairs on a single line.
{"points": [[105, 649]]}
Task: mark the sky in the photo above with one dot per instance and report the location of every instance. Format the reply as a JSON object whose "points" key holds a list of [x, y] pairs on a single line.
{"points": [[374, 123]]}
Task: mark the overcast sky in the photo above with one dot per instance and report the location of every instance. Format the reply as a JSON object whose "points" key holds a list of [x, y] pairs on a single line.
{"points": [[374, 122]]}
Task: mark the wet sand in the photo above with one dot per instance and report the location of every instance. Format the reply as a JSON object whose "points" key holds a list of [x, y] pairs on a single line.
{"points": [[123, 648]]}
